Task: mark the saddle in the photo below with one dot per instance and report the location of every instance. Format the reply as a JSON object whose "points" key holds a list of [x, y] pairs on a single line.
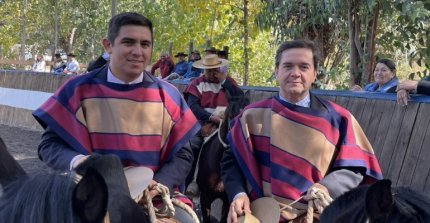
{"points": [[208, 129]]}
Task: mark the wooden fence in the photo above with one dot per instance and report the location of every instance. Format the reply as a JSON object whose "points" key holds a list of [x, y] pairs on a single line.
{"points": [[400, 135]]}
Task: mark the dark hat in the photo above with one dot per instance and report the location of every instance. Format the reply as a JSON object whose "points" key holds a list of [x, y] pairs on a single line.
{"points": [[181, 54], [71, 55], [57, 55], [211, 49], [195, 52], [222, 53]]}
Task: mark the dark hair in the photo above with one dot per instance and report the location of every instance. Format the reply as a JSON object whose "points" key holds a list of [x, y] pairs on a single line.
{"points": [[127, 18], [389, 63], [297, 44]]}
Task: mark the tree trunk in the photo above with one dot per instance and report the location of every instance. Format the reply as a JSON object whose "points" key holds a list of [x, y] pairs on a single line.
{"points": [[23, 31], [373, 24], [113, 8], [354, 60], [245, 42]]}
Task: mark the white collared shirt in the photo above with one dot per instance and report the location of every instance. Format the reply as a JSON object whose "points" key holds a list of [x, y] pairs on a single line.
{"points": [[113, 79], [305, 102]]}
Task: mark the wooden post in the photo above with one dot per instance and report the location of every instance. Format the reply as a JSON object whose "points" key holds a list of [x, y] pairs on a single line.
{"points": [[170, 50], [190, 48]]}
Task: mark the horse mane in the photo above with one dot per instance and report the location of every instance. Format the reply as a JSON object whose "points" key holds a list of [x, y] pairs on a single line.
{"points": [[413, 206], [32, 198], [379, 203]]}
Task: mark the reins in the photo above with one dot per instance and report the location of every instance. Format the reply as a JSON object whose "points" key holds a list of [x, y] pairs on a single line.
{"points": [[317, 199], [168, 209]]}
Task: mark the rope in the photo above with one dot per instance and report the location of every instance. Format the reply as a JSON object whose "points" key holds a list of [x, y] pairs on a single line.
{"points": [[317, 199], [167, 210], [224, 144]]}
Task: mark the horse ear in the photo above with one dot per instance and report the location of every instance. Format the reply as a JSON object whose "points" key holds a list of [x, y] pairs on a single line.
{"points": [[379, 201], [10, 170], [90, 197]]}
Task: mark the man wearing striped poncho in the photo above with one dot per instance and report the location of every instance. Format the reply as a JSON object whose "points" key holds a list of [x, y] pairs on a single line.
{"points": [[120, 109], [285, 146]]}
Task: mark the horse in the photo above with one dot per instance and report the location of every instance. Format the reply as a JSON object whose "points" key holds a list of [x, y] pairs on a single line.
{"points": [[379, 203], [97, 192], [209, 172]]}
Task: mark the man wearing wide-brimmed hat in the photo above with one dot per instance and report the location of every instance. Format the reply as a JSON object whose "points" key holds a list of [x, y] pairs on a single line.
{"points": [[72, 66], [181, 67], [206, 96]]}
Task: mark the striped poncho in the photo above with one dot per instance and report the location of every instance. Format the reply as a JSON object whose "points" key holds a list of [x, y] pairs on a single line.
{"points": [[283, 149], [145, 124]]}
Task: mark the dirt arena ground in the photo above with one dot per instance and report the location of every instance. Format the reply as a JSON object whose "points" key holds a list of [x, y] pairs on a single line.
{"points": [[22, 144]]}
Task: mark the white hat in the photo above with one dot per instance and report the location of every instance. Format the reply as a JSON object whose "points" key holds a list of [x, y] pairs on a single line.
{"points": [[138, 179], [210, 61]]}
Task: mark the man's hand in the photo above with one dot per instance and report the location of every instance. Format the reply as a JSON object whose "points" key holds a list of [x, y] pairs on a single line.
{"points": [[408, 85], [355, 88], [238, 208], [402, 97], [215, 119], [78, 161], [153, 192]]}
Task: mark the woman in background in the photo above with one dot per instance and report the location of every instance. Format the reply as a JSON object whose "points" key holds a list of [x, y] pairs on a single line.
{"points": [[385, 78]]}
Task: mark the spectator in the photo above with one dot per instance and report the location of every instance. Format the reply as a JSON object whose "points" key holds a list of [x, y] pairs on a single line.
{"points": [[72, 64], [206, 97], [385, 78], [100, 62], [59, 64], [295, 143], [39, 64], [180, 67], [193, 72], [409, 86], [165, 64]]}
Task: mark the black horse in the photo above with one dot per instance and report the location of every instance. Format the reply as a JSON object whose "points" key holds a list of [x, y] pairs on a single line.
{"points": [[379, 203], [209, 169], [56, 197]]}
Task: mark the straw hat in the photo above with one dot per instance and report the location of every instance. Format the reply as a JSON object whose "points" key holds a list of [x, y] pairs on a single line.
{"points": [[210, 62], [138, 179]]}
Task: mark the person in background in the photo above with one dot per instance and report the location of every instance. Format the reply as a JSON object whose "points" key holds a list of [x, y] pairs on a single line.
{"points": [[193, 72], [39, 64], [385, 78], [123, 110], [59, 64], [165, 64], [99, 62], [411, 87], [222, 54], [72, 64], [294, 144], [206, 96], [180, 67]]}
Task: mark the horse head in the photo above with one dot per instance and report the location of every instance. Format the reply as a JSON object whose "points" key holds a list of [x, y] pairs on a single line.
{"points": [[50, 197], [61, 197], [10, 170], [121, 206], [379, 203]]}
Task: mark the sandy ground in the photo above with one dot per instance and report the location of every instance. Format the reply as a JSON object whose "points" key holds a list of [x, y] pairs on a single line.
{"points": [[22, 144]]}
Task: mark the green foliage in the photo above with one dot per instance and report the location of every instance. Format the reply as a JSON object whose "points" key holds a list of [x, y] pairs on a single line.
{"points": [[403, 30]]}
